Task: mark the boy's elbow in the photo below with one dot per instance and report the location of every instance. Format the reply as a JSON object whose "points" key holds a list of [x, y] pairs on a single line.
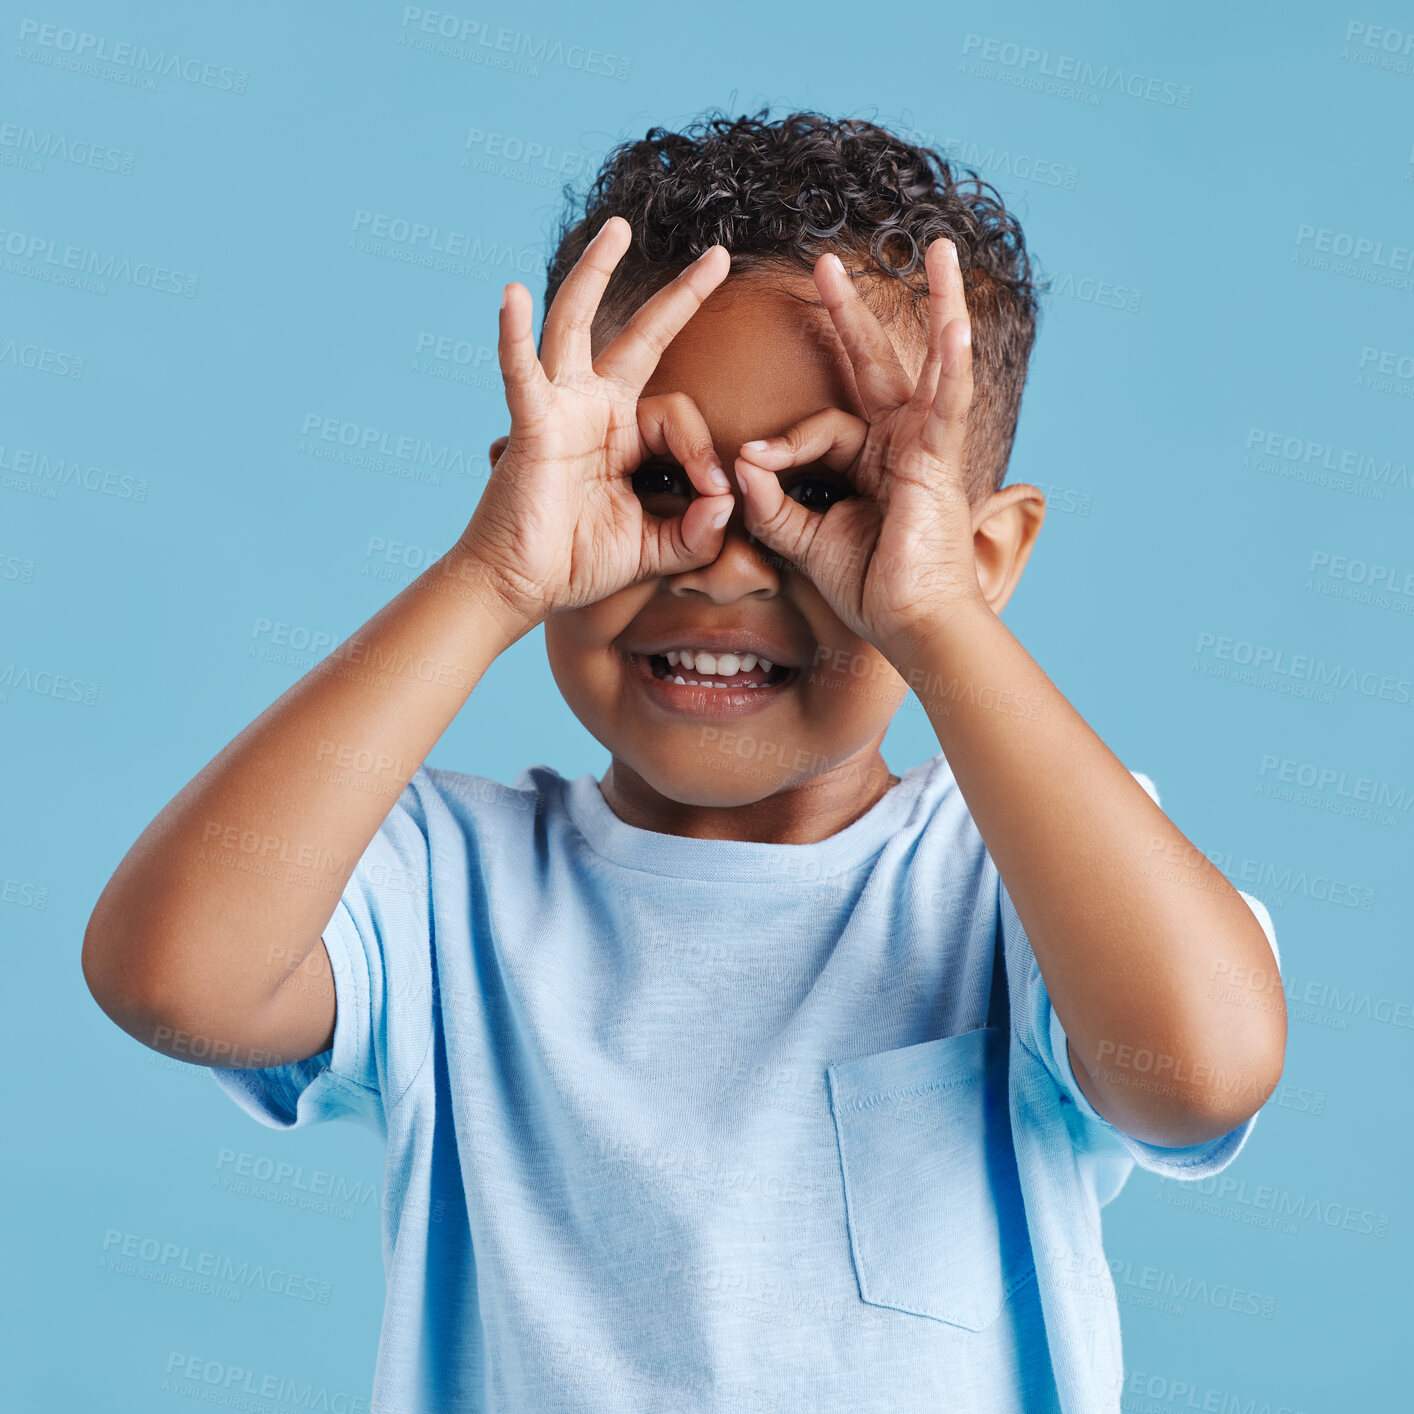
{"points": [[122, 979], [1237, 1063], [99, 974], [1225, 1094], [1183, 1121], [1204, 1119], [111, 985], [1210, 1092]]}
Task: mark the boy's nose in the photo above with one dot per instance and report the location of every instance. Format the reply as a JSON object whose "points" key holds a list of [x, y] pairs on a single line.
{"points": [[743, 566]]}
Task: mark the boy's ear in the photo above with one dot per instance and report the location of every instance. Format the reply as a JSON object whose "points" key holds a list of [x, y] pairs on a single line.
{"points": [[497, 447], [1004, 528]]}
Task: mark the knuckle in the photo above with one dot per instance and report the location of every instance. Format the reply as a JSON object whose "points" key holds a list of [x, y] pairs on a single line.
{"points": [[651, 336]]}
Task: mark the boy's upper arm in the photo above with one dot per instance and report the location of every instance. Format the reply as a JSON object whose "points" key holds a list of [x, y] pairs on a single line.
{"points": [[370, 980], [1040, 1031]]}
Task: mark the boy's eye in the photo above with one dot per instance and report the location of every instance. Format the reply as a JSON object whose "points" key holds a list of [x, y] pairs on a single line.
{"points": [[819, 493], [660, 479], [812, 490]]}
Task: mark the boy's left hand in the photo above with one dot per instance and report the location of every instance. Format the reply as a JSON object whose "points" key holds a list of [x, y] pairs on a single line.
{"points": [[893, 557]]}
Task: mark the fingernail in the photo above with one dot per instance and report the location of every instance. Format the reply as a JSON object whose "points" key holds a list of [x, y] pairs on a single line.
{"points": [[759, 445], [718, 478], [719, 518], [837, 262]]}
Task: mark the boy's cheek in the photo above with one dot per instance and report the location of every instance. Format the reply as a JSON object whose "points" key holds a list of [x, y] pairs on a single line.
{"points": [[593, 628], [846, 669]]}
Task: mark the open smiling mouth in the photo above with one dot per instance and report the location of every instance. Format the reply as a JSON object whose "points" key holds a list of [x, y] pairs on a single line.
{"points": [[749, 680]]}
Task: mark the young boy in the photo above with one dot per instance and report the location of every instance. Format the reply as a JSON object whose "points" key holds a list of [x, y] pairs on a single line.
{"points": [[751, 1077]]}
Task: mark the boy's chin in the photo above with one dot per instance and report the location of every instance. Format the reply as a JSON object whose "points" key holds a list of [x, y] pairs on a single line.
{"points": [[724, 783]]}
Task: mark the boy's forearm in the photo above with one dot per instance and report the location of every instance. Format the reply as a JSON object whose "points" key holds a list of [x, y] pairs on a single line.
{"points": [[1131, 925], [229, 887]]}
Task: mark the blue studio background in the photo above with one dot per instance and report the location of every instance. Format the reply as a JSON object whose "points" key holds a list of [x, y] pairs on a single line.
{"points": [[1219, 407]]}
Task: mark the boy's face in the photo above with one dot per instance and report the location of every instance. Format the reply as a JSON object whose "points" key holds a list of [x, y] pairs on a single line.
{"points": [[754, 361]]}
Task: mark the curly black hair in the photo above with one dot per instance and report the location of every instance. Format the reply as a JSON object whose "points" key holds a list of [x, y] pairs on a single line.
{"points": [[779, 194]]}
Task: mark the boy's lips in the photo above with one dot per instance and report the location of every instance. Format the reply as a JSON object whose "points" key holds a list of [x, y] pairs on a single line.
{"points": [[738, 694]]}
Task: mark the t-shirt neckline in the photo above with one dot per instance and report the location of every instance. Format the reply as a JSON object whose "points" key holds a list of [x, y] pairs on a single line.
{"points": [[741, 860]]}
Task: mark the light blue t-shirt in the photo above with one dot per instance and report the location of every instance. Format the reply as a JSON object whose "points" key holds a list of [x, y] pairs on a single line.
{"points": [[680, 1125]]}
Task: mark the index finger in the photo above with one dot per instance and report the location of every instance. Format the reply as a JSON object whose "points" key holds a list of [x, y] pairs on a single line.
{"points": [[634, 352], [565, 336], [882, 380], [947, 303]]}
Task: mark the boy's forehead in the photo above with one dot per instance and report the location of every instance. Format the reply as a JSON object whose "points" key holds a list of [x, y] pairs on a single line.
{"points": [[755, 360]]}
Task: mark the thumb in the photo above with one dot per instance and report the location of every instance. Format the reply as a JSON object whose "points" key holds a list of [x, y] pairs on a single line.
{"points": [[830, 437], [779, 523], [831, 548]]}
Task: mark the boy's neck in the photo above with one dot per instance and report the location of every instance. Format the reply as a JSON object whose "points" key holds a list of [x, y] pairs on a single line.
{"points": [[805, 813]]}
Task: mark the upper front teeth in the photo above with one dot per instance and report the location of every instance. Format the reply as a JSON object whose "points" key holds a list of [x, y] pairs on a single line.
{"points": [[699, 661]]}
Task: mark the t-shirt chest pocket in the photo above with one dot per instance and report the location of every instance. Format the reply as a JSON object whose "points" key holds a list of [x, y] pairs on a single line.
{"points": [[932, 1198]]}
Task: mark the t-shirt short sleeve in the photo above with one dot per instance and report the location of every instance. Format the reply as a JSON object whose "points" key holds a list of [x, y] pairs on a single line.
{"points": [[1042, 1033], [379, 944]]}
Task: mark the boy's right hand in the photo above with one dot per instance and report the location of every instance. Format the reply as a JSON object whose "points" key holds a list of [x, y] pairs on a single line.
{"points": [[559, 525]]}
